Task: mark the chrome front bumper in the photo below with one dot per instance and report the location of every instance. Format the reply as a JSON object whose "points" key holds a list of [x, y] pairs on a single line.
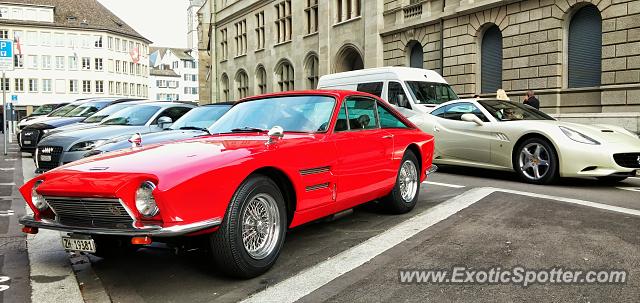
{"points": [[149, 230]]}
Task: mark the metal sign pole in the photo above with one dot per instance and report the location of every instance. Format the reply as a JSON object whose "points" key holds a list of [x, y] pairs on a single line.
{"points": [[4, 113]]}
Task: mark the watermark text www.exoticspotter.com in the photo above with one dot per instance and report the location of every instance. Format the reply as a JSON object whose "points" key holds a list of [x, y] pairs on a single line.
{"points": [[517, 275]]}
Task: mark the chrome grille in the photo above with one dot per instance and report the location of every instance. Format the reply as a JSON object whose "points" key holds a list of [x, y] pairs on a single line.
{"points": [[90, 212]]}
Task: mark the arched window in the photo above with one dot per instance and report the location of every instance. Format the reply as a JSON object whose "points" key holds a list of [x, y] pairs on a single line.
{"points": [[491, 60], [242, 84], [348, 59], [311, 71], [416, 55], [225, 88], [285, 76], [261, 80], [585, 48]]}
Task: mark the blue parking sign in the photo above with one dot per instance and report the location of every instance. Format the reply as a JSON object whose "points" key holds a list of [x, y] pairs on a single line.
{"points": [[14, 98], [6, 55]]}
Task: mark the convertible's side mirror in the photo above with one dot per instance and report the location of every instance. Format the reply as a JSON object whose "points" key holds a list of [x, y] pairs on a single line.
{"points": [[275, 133], [164, 122], [472, 118]]}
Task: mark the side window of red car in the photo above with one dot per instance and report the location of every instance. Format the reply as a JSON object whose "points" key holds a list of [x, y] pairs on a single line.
{"points": [[389, 120], [341, 122], [362, 113]]}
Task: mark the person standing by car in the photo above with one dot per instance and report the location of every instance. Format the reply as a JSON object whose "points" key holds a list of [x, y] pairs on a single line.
{"points": [[531, 100]]}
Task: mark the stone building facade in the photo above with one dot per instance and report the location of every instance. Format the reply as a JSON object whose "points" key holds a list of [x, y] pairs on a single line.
{"points": [[476, 45]]}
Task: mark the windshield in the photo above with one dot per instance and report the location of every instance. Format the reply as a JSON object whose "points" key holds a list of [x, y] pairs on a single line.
{"points": [[293, 113], [62, 111], [201, 117], [105, 112], [132, 116], [87, 109], [431, 93], [510, 111], [43, 109]]}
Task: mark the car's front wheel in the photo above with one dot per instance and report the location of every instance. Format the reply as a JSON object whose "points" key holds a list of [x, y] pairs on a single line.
{"points": [[253, 230], [535, 161], [404, 195]]}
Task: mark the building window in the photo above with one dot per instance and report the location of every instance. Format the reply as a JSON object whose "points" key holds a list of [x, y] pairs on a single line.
{"points": [[118, 66], [59, 62], [18, 61], [117, 45], [132, 69], [225, 88], [311, 70], [110, 43], [19, 85], [347, 10], [285, 76], [5, 84], [4, 12], [111, 88], [312, 16], [283, 21], [416, 55], [124, 45], [99, 86], [86, 86], [260, 30], [261, 80], [71, 40], [585, 48], [45, 38], [125, 89], [58, 39], [98, 64], [73, 62], [118, 88], [46, 85], [241, 38], [73, 86], [46, 62], [32, 38], [32, 61], [86, 63], [491, 60], [33, 85], [242, 84], [224, 46], [124, 67], [4, 34], [110, 65], [97, 41]]}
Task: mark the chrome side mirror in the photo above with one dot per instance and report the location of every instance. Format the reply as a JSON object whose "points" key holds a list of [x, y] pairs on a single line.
{"points": [[275, 133], [164, 122], [472, 118]]}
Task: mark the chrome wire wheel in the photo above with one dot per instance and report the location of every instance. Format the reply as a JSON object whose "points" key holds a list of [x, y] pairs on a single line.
{"points": [[534, 161], [408, 178], [260, 226]]}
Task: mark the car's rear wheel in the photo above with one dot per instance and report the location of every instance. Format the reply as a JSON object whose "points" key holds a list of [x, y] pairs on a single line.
{"points": [[536, 161], [250, 238], [403, 197], [611, 179]]}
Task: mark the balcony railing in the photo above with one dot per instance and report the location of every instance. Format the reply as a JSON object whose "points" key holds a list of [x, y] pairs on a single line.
{"points": [[413, 11]]}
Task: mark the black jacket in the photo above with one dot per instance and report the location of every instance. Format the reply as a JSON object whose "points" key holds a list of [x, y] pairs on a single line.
{"points": [[533, 102]]}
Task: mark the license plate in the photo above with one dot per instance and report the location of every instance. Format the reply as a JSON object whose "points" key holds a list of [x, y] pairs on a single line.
{"points": [[76, 244], [45, 158], [26, 142]]}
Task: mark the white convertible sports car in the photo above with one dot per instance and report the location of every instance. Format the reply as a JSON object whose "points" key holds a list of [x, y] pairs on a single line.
{"points": [[505, 135]]}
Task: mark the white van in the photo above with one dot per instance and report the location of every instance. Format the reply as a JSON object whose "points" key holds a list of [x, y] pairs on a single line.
{"points": [[412, 88]]}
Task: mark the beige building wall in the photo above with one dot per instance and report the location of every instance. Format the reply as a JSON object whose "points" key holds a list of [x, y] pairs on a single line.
{"points": [[534, 45]]}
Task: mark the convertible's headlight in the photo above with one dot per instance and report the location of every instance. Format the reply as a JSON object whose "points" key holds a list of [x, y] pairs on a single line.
{"points": [[145, 202], [86, 145], [577, 136], [37, 199]]}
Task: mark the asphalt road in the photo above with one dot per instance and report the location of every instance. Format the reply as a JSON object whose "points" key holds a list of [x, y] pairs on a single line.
{"points": [[357, 257]]}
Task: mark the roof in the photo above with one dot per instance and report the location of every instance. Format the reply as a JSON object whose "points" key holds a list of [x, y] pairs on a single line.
{"points": [[163, 73], [398, 72], [97, 16], [181, 53]]}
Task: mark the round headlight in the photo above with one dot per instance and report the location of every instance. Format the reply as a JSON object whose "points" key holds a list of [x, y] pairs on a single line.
{"points": [[37, 199], [145, 202]]}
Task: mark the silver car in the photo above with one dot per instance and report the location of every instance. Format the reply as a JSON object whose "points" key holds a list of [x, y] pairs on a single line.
{"points": [[65, 147]]}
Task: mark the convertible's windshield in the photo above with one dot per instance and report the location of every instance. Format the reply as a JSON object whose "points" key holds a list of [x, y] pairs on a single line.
{"points": [[63, 111], [106, 112], [43, 109], [431, 93], [201, 117], [133, 116], [293, 113], [510, 111], [87, 109]]}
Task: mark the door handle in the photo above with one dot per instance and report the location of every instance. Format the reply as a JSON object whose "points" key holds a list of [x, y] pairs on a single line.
{"points": [[436, 129], [387, 137]]}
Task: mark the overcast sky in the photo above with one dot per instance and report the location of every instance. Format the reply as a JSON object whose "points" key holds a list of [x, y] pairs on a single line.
{"points": [[162, 21]]}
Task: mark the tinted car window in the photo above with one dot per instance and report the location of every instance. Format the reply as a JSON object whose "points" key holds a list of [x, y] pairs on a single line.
{"points": [[133, 116], [439, 112], [374, 88], [431, 93], [87, 109], [44, 109], [201, 117], [62, 111], [397, 96], [388, 120], [455, 111], [341, 123], [105, 112], [173, 112], [362, 113], [509, 111]]}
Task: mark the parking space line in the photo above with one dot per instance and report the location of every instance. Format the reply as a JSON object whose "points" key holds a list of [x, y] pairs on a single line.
{"points": [[443, 184], [7, 184], [310, 279], [636, 189]]}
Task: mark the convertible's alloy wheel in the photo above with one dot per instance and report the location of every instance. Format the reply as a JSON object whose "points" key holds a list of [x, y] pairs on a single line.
{"points": [[534, 161], [408, 179], [260, 226]]}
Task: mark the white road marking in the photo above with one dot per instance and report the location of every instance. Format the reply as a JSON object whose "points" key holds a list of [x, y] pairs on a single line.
{"points": [[310, 279], [10, 159], [6, 168], [6, 213], [637, 189], [4, 279], [8, 184], [443, 184]]}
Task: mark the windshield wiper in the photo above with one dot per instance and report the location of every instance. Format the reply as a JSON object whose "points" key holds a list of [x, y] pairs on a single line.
{"points": [[248, 129], [195, 128]]}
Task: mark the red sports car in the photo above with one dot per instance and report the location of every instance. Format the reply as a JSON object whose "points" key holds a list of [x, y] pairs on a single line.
{"points": [[271, 163]]}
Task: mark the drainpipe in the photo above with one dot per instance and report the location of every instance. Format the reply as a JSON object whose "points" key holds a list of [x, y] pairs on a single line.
{"points": [[444, 3]]}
